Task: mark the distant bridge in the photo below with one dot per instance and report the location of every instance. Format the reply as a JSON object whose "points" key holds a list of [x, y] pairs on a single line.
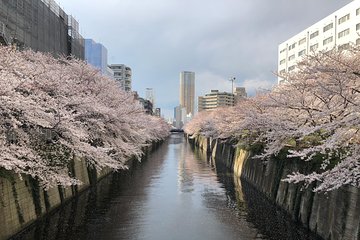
{"points": [[176, 130]]}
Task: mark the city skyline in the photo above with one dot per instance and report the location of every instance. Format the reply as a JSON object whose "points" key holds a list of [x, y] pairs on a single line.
{"points": [[217, 40]]}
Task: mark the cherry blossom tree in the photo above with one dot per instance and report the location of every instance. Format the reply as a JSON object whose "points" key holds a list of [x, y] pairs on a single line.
{"points": [[314, 116], [57, 110]]}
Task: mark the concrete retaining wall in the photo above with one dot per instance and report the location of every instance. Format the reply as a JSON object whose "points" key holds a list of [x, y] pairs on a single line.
{"points": [[22, 201], [333, 216]]}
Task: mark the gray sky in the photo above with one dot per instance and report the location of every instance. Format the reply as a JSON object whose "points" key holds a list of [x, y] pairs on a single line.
{"points": [[216, 39]]}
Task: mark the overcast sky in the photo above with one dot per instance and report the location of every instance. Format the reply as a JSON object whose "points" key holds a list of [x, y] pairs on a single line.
{"points": [[217, 39]]}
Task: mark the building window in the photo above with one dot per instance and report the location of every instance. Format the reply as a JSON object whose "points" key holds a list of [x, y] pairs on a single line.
{"points": [[344, 47], [358, 27], [292, 46], [291, 68], [282, 50], [344, 18], [358, 41], [314, 34], [328, 40], [314, 47], [328, 27], [357, 11], [302, 41], [291, 57], [302, 52], [344, 33], [282, 71], [282, 61]]}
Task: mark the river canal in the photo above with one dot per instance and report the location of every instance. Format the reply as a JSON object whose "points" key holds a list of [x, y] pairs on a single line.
{"points": [[173, 194]]}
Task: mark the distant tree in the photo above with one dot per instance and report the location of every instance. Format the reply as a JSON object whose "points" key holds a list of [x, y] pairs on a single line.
{"points": [[55, 109]]}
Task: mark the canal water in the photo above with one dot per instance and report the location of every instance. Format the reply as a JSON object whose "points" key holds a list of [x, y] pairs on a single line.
{"points": [[173, 194]]}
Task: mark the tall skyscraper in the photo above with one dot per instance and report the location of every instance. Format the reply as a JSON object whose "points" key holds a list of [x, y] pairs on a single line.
{"points": [[187, 91]]}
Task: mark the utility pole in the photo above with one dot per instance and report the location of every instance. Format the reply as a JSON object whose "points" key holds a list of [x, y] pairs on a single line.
{"points": [[232, 79]]}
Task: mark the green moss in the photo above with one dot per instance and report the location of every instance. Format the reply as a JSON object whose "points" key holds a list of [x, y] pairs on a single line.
{"points": [[9, 175]]}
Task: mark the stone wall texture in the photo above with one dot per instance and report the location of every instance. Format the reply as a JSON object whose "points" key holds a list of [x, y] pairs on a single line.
{"points": [[334, 215]]}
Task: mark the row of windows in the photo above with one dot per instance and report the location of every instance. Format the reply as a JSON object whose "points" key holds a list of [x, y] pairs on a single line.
{"points": [[340, 47], [314, 47], [328, 40], [344, 33], [314, 34], [344, 18], [302, 52], [328, 27], [302, 41], [292, 46]]}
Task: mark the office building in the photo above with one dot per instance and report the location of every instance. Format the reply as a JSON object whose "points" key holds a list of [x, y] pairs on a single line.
{"points": [[187, 92], [338, 30], [96, 55], [122, 75], [215, 99], [40, 25], [180, 118], [240, 92], [150, 95]]}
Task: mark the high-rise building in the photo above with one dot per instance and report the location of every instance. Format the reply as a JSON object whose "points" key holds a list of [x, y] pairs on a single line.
{"points": [[122, 74], [96, 55], [150, 95], [215, 99], [187, 91], [338, 30], [40, 25], [179, 117]]}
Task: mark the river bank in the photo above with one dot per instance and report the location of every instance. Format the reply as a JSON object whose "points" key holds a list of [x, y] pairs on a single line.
{"points": [[23, 201], [333, 215]]}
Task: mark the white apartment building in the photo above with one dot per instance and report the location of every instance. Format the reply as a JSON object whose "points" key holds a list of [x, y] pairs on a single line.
{"points": [[122, 75], [340, 29]]}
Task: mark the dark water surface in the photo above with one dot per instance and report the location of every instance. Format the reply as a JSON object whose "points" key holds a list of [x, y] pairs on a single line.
{"points": [[173, 194]]}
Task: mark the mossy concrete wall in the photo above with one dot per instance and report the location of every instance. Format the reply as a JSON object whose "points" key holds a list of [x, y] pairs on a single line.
{"points": [[334, 215], [22, 200]]}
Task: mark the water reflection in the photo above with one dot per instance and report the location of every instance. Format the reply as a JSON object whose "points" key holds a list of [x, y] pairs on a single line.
{"points": [[174, 194]]}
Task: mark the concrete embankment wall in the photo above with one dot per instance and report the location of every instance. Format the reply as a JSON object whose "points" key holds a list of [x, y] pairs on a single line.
{"points": [[334, 215], [22, 200]]}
